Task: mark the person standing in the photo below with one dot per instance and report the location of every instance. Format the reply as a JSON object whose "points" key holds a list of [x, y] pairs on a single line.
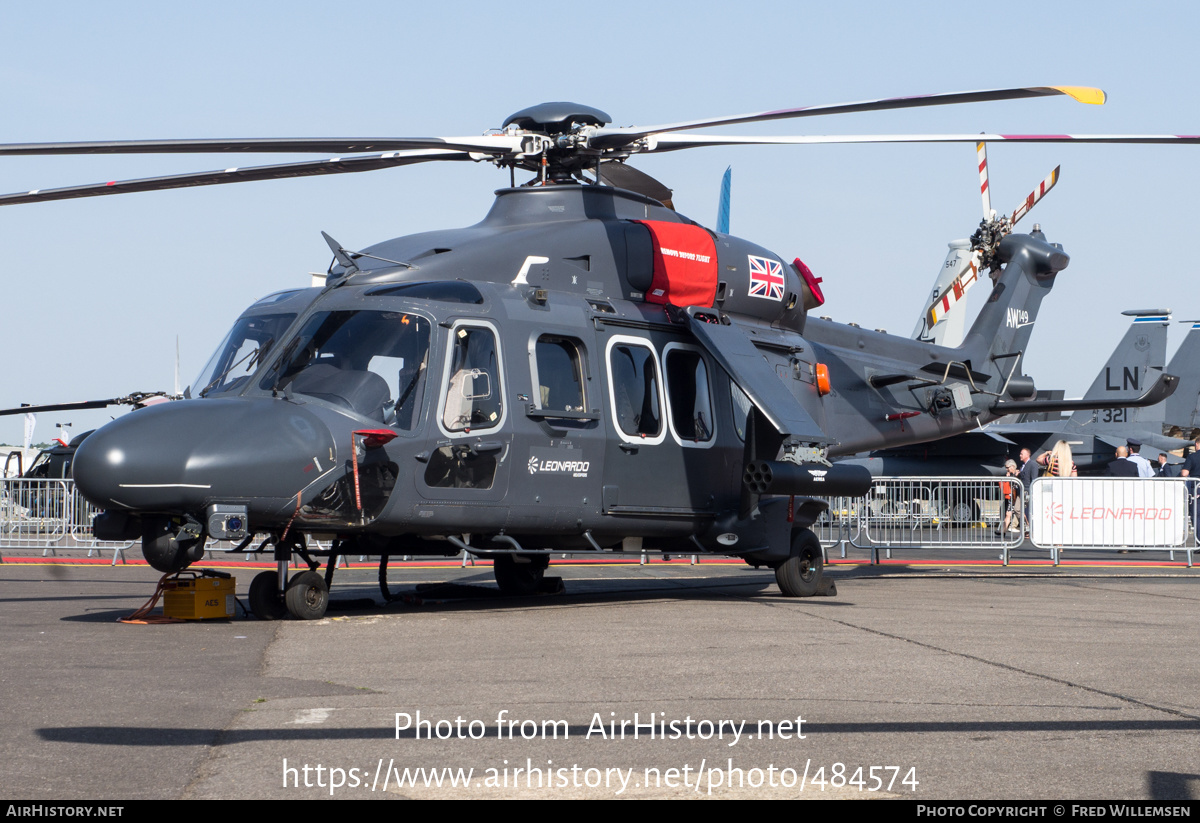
{"points": [[1163, 469], [1122, 466], [1028, 473], [1144, 467], [1191, 470], [1010, 502], [1058, 461]]}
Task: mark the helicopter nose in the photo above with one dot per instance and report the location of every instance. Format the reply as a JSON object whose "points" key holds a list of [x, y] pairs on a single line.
{"points": [[179, 457]]}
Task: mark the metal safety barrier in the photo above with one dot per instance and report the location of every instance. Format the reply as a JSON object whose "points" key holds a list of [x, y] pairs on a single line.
{"points": [[987, 514], [49, 515], [947, 512], [840, 523], [1113, 513]]}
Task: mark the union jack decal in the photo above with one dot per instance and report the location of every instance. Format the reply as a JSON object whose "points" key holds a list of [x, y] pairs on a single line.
{"points": [[766, 278]]}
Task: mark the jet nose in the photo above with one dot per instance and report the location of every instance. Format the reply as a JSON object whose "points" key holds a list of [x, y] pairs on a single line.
{"points": [[179, 457]]}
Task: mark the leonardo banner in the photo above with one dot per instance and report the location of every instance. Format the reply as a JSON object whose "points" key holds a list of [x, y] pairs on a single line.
{"points": [[1101, 511]]}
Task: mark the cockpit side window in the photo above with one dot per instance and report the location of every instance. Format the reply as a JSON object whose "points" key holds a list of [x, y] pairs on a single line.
{"points": [[371, 362], [240, 353], [474, 398]]}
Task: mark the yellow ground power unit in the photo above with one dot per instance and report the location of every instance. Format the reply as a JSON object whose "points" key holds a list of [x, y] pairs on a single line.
{"points": [[200, 596]]}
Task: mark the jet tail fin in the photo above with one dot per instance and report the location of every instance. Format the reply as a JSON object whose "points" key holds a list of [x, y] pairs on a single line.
{"points": [[1132, 368], [1182, 409], [723, 203]]}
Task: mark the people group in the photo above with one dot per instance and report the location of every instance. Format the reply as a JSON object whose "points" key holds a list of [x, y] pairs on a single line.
{"points": [[1058, 462], [1130, 463]]}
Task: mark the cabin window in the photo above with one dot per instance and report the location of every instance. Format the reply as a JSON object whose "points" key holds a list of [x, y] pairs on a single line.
{"points": [[741, 409], [636, 391], [688, 395], [474, 399], [560, 375]]}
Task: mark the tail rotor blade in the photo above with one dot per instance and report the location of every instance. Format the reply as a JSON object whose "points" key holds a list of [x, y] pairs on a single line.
{"points": [[942, 304], [984, 191], [1035, 195]]}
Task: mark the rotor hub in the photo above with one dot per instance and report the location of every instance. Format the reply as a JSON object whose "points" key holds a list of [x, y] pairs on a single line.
{"points": [[557, 118]]}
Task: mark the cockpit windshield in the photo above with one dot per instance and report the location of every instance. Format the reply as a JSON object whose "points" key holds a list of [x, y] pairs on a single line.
{"points": [[371, 362], [240, 353]]}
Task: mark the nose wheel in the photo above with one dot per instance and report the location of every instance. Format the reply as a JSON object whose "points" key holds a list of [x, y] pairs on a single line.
{"points": [[265, 600]]}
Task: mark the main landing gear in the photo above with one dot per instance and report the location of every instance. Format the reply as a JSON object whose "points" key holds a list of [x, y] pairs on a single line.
{"points": [[305, 596], [800, 575], [520, 574]]}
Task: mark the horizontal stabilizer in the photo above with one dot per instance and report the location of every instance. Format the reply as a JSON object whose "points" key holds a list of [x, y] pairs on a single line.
{"points": [[1111, 439], [1160, 391], [956, 371], [879, 381]]}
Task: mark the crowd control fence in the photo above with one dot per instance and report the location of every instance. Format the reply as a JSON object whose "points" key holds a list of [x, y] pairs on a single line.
{"points": [[990, 515]]}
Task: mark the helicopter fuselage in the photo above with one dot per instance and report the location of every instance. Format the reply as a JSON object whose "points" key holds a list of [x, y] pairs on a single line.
{"points": [[518, 386]]}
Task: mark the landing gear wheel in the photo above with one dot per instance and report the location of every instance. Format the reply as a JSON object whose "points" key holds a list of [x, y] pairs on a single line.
{"points": [[265, 601], [307, 597], [520, 578], [800, 575]]}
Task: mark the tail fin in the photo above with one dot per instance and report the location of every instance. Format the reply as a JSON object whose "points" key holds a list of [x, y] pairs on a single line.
{"points": [[943, 321], [723, 203], [1000, 334], [1133, 367], [1183, 407]]}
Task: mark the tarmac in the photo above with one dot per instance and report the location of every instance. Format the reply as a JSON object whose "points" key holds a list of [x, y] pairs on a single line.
{"points": [[928, 677]]}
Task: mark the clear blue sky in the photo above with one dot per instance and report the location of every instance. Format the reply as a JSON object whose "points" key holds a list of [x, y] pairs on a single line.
{"points": [[95, 291]]}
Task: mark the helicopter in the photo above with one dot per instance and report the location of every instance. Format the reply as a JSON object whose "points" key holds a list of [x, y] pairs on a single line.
{"points": [[585, 369]]}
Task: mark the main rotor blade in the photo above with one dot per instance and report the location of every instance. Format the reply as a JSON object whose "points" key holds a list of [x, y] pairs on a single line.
{"points": [[488, 143], [133, 399], [627, 177], [617, 137], [311, 168], [674, 142]]}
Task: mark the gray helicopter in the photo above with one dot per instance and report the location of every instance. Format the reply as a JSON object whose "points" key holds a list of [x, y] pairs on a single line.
{"points": [[585, 369]]}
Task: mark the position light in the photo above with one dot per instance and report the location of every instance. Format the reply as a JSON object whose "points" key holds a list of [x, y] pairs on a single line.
{"points": [[822, 372], [374, 438]]}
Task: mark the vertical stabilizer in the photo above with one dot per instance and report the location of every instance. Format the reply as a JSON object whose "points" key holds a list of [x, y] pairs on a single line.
{"points": [[1000, 334], [1183, 407], [943, 316], [723, 203], [1133, 367]]}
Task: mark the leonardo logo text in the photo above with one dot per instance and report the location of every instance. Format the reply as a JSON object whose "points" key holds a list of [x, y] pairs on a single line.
{"points": [[576, 468]]}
